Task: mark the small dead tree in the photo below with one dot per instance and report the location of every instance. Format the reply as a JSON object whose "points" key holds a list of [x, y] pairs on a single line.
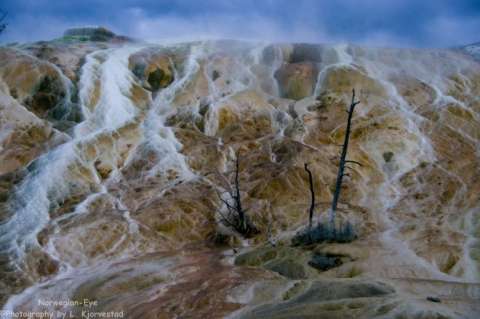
{"points": [[312, 193], [236, 216], [343, 162], [3, 25]]}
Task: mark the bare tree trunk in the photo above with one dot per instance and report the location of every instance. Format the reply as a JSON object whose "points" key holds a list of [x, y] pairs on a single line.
{"points": [[238, 200], [343, 161], [312, 204]]}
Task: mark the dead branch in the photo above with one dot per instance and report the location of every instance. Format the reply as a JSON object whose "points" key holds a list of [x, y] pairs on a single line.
{"points": [[3, 25], [343, 161], [312, 193], [236, 216]]}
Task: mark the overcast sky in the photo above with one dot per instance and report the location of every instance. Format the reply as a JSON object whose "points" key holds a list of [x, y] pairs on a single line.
{"points": [[421, 23]]}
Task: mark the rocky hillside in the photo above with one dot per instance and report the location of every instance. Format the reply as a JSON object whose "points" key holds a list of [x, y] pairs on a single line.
{"points": [[115, 155]]}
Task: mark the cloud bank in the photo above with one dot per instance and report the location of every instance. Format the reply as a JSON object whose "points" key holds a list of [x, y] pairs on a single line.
{"points": [[427, 23]]}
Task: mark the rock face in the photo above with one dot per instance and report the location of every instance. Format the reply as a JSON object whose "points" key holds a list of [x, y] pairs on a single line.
{"points": [[114, 158], [297, 80], [154, 69]]}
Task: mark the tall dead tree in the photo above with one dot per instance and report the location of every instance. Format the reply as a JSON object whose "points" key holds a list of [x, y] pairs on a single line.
{"points": [[3, 25], [236, 216], [343, 162], [312, 193]]}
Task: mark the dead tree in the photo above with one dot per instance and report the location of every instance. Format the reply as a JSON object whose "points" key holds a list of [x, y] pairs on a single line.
{"points": [[312, 193], [3, 25], [236, 216], [343, 162]]}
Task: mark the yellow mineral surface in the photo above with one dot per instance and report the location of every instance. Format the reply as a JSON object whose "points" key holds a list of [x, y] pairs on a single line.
{"points": [[115, 159]]}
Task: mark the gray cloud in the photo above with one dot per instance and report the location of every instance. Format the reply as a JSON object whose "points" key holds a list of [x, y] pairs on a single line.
{"points": [[373, 22]]}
